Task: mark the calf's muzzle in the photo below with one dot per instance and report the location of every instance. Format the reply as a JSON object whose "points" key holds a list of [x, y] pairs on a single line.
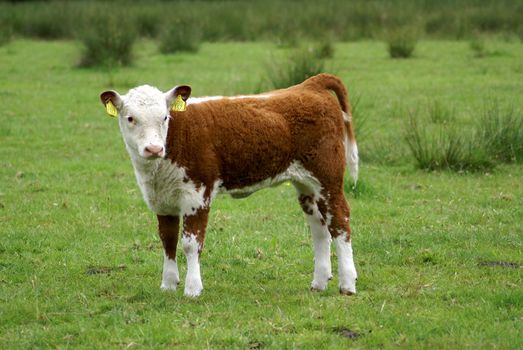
{"points": [[153, 151]]}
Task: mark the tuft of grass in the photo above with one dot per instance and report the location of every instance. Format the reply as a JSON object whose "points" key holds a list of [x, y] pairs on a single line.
{"points": [[108, 40], [180, 35], [299, 65], [478, 46], [500, 130], [324, 49], [439, 113], [445, 147], [401, 42], [496, 137]]}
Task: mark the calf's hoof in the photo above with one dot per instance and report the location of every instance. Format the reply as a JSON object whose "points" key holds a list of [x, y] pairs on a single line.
{"points": [[193, 289], [318, 287], [344, 291], [170, 281], [169, 286], [192, 293]]}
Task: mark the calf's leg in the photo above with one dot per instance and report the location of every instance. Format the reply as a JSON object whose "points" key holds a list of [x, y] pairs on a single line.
{"points": [[321, 240], [168, 228], [340, 230], [193, 237]]}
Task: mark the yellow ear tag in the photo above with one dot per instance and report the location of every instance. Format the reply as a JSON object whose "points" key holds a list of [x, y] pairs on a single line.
{"points": [[178, 105], [111, 109]]}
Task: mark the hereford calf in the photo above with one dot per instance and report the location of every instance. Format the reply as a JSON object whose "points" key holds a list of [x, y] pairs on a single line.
{"points": [[184, 157]]}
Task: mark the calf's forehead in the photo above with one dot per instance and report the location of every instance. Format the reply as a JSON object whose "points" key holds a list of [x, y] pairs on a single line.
{"points": [[145, 101]]}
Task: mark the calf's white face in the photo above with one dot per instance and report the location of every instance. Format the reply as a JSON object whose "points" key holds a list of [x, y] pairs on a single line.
{"points": [[143, 115], [143, 122]]}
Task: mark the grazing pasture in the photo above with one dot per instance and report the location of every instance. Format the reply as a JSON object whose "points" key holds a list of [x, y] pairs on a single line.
{"points": [[438, 253]]}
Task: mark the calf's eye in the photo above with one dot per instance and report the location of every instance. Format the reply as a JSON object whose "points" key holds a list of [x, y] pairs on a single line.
{"points": [[165, 119], [130, 119]]}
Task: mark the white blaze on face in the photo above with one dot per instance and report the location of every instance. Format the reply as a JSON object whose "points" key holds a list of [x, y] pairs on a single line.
{"points": [[144, 121]]}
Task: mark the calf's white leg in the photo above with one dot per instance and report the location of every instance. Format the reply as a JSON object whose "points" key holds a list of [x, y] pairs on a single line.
{"points": [[321, 241], [193, 280], [194, 226], [168, 228], [322, 257], [339, 227], [170, 275], [346, 269]]}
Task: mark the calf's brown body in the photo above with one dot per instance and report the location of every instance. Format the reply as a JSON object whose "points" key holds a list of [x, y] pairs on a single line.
{"points": [[240, 142]]}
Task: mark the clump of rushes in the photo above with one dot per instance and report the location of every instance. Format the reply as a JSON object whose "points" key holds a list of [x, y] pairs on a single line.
{"points": [[147, 23], [445, 147], [181, 35], [324, 49], [299, 65], [478, 46], [402, 41], [108, 40], [500, 131], [495, 137], [440, 114]]}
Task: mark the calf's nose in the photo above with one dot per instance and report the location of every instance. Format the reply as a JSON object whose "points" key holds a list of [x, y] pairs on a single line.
{"points": [[153, 150]]}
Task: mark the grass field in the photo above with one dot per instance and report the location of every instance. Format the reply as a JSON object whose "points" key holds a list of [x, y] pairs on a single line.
{"points": [[439, 254]]}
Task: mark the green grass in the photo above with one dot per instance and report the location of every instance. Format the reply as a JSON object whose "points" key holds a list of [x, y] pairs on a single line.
{"points": [[80, 260]]}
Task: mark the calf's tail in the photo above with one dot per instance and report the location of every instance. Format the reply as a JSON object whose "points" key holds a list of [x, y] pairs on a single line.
{"points": [[331, 82]]}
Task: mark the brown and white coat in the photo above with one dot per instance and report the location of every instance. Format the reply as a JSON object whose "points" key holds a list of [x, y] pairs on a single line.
{"points": [[237, 145]]}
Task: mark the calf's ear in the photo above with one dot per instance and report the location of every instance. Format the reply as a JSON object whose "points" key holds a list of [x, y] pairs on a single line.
{"points": [[181, 90], [112, 102]]}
